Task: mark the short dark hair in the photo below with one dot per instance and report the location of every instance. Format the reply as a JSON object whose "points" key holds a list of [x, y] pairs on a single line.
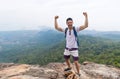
{"points": [[69, 19]]}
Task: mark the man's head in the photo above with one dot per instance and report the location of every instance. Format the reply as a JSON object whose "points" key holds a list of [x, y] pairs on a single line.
{"points": [[69, 22]]}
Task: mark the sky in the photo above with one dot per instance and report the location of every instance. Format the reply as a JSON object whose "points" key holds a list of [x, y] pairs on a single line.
{"points": [[103, 15]]}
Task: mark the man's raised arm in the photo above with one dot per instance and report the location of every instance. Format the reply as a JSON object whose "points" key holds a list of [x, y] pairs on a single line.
{"points": [[56, 24], [85, 23]]}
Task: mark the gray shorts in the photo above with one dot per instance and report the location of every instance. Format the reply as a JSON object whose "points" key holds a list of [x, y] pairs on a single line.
{"points": [[73, 53]]}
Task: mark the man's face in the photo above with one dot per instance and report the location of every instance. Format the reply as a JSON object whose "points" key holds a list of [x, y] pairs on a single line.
{"points": [[69, 23]]}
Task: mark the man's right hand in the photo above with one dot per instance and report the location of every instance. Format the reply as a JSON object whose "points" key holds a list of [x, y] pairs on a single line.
{"points": [[85, 14], [56, 24], [56, 17]]}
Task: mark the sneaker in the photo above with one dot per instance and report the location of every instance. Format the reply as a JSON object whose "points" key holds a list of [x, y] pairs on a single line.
{"points": [[78, 74], [69, 68]]}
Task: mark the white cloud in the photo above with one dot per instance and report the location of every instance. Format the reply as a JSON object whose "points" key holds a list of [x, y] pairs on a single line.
{"points": [[30, 14]]}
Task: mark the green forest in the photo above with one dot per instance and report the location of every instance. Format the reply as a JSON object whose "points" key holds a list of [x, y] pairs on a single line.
{"points": [[49, 48], [92, 49]]}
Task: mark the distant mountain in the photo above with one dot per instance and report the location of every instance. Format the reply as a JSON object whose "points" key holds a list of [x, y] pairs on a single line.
{"points": [[19, 43], [114, 35], [42, 47], [16, 37], [32, 36], [49, 37]]}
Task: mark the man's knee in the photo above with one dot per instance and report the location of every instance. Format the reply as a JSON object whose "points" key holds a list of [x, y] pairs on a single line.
{"points": [[76, 62], [67, 60]]}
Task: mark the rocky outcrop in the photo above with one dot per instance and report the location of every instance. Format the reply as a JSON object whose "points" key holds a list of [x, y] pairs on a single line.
{"points": [[88, 70]]}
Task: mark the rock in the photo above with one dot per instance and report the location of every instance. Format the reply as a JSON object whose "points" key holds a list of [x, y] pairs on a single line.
{"points": [[88, 70], [5, 65], [101, 71]]}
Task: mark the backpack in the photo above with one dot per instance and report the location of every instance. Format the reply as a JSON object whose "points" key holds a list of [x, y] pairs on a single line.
{"points": [[75, 33]]}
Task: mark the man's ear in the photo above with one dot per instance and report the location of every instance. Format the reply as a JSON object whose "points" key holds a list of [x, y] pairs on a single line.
{"points": [[66, 24]]}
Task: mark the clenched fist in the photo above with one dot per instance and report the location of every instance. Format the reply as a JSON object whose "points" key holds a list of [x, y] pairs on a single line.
{"points": [[56, 17], [85, 14]]}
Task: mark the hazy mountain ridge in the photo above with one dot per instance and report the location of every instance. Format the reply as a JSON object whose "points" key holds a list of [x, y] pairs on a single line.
{"points": [[114, 35], [48, 46], [17, 37]]}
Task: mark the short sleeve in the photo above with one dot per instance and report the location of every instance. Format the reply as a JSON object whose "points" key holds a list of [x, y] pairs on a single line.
{"points": [[63, 29], [77, 29]]}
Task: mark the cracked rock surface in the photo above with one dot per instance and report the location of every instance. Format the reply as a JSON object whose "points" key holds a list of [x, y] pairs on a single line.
{"points": [[88, 70]]}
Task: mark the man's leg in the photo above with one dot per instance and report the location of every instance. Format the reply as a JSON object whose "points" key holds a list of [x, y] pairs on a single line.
{"points": [[68, 62], [77, 66], [67, 58], [76, 58]]}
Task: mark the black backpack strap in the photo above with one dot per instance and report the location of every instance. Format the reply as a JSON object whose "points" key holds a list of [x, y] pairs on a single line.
{"points": [[66, 32], [76, 36], [75, 32]]}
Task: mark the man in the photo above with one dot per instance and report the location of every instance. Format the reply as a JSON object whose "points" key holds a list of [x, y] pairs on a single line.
{"points": [[71, 42]]}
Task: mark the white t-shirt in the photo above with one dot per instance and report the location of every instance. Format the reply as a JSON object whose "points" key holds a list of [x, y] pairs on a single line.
{"points": [[71, 39]]}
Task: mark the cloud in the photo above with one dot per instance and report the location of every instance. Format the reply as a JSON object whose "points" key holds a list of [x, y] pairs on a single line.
{"points": [[31, 14]]}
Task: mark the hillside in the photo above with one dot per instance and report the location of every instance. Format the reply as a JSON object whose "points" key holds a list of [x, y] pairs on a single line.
{"points": [[114, 35], [93, 49], [55, 71], [43, 47]]}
